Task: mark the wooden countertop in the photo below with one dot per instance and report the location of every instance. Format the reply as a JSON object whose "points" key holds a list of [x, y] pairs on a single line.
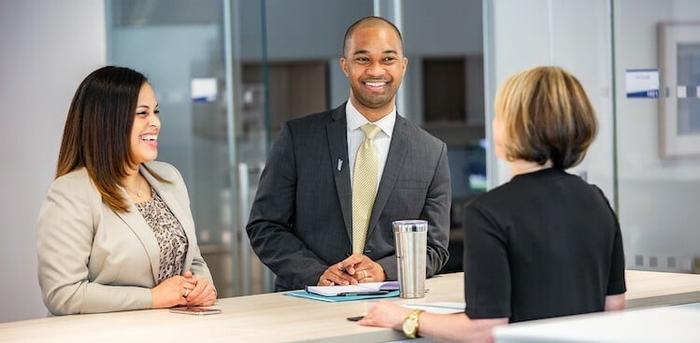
{"points": [[658, 288], [277, 317]]}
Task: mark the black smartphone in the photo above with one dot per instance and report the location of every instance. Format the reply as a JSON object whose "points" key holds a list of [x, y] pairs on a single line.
{"points": [[355, 319]]}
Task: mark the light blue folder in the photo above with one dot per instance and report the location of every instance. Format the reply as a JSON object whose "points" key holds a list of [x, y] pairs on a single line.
{"points": [[304, 294]]}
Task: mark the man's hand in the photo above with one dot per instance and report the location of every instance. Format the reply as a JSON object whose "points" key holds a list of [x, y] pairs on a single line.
{"points": [[363, 269], [335, 275]]}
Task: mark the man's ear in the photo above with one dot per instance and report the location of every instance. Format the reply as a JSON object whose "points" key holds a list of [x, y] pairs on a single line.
{"points": [[344, 66]]}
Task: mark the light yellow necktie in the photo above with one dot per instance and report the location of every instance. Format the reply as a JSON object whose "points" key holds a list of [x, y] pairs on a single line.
{"points": [[364, 187]]}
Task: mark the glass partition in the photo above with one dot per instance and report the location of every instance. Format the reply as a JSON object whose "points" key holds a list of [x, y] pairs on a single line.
{"points": [[658, 140], [646, 157], [179, 45], [229, 73]]}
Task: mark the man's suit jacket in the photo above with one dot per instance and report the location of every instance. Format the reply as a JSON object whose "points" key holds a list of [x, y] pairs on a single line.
{"points": [[300, 222], [92, 259]]}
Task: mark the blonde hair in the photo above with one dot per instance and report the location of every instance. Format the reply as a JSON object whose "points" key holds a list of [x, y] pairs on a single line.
{"points": [[547, 117]]}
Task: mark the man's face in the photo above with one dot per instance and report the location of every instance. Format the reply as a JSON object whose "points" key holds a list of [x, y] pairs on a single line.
{"points": [[374, 65]]}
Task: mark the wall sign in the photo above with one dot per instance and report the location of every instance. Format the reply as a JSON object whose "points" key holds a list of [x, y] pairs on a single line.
{"points": [[642, 83]]}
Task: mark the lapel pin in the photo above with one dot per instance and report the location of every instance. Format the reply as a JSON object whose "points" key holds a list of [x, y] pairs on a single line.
{"points": [[340, 164]]}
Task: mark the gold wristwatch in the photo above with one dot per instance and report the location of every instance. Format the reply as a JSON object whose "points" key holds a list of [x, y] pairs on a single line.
{"points": [[410, 324]]}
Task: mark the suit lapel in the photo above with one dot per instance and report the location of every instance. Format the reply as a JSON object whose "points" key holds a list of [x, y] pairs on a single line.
{"points": [[394, 162], [336, 130], [179, 213], [144, 233]]}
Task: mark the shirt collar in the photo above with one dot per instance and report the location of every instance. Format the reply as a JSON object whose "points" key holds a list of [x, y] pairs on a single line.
{"points": [[355, 119]]}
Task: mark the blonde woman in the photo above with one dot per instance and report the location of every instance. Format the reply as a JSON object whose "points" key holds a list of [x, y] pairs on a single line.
{"points": [[546, 243], [115, 231]]}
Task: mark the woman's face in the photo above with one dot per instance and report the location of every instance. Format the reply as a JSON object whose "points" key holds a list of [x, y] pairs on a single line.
{"points": [[499, 137], [144, 132]]}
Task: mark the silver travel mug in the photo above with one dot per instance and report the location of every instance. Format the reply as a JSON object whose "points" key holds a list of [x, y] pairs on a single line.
{"points": [[411, 238]]}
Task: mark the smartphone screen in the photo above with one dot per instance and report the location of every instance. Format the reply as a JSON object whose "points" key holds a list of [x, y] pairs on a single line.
{"points": [[195, 310]]}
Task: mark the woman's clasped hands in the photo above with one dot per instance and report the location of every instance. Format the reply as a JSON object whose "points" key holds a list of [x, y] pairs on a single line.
{"points": [[184, 290]]}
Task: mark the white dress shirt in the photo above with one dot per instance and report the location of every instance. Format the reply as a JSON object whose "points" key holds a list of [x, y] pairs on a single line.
{"points": [[382, 140]]}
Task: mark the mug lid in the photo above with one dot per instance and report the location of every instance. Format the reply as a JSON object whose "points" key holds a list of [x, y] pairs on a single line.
{"points": [[410, 225]]}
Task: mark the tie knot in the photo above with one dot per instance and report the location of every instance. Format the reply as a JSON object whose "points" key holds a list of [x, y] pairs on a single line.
{"points": [[370, 130]]}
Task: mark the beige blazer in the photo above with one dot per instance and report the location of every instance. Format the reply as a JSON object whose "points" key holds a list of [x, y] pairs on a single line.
{"points": [[92, 259]]}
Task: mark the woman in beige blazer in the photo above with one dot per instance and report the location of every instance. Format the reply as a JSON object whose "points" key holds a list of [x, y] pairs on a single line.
{"points": [[115, 231]]}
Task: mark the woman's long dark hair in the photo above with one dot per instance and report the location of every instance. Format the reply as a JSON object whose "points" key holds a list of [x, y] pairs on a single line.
{"points": [[98, 129]]}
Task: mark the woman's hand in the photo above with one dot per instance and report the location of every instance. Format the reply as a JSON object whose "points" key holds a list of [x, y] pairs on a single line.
{"points": [[172, 291], [203, 294], [385, 314]]}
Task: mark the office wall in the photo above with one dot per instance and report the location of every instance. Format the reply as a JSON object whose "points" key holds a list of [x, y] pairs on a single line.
{"points": [[291, 35], [567, 33], [171, 77], [47, 47], [659, 197], [317, 39], [454, 30], [442, 27]]}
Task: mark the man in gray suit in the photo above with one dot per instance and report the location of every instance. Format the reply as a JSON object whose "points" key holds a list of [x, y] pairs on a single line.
{"points": [[336, 180]]}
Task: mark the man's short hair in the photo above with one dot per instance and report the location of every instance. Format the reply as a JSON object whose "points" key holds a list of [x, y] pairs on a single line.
{"points": [[547, 116], [368, 19]]}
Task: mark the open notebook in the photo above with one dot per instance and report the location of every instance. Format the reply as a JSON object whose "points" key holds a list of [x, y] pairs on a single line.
{"points": [[439, 307], [369, 288]]}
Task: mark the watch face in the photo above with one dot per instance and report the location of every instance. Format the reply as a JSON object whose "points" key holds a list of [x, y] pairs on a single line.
{"points": [[409, 327]]}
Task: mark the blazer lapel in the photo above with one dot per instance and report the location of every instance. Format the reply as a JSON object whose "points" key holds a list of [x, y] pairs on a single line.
{"points": [[394, 162], [145, 234], [338, 146], [177, 210]]}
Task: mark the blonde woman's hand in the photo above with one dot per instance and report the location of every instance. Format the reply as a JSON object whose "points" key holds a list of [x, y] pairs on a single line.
{"points": [[172, 292], [385, 314]]}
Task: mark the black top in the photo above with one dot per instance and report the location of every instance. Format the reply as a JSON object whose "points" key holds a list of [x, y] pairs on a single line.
{"points": [[545, 244]]}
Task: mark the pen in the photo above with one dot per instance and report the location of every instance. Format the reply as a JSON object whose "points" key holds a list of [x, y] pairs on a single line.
{"points": [[347, 294]]}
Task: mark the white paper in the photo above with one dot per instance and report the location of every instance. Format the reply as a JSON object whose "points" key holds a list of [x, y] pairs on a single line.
{"points": [[330, 291], [439, 307]]}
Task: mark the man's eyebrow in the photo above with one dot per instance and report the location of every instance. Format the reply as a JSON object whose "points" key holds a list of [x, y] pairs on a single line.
{"points": [[362, 52]]}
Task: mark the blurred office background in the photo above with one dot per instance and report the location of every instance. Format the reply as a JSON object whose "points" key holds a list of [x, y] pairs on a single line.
{"points": [[228, 73]]}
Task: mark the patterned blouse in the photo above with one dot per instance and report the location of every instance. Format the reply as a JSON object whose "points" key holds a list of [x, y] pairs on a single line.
{"points": [[169, 233]]}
